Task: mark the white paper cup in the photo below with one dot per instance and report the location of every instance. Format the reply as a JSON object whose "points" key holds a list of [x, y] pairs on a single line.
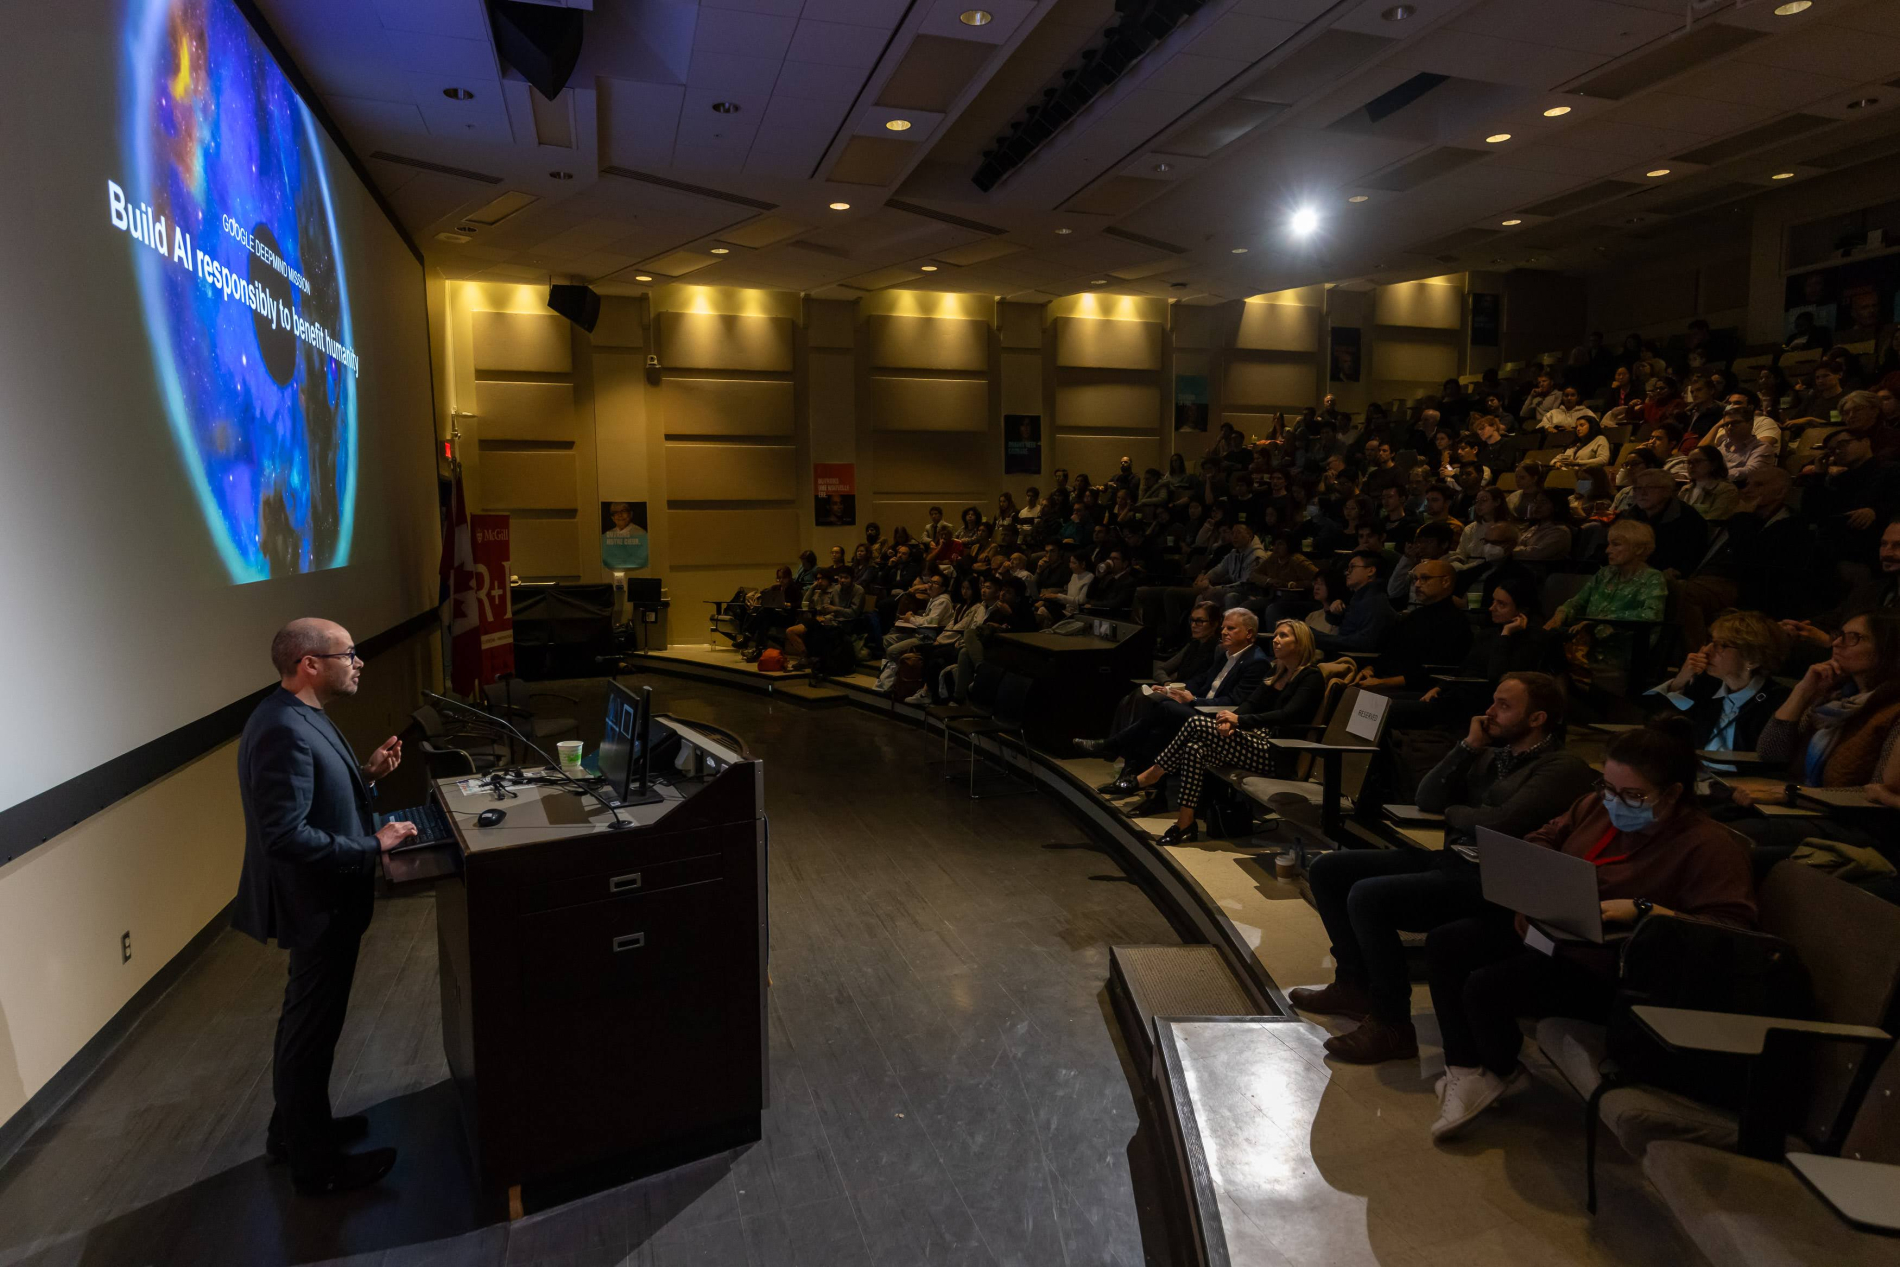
{"points": [[570, 750]]}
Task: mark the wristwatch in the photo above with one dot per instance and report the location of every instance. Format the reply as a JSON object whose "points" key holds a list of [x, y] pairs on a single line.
{"points": [[1643, 907]]}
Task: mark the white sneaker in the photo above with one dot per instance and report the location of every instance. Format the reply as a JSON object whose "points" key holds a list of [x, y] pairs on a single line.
{"points": [[1438, 1088], [1468, 1092]]}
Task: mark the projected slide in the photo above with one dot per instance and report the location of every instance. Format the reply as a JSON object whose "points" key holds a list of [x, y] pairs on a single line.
{"points": [[224, 205]]}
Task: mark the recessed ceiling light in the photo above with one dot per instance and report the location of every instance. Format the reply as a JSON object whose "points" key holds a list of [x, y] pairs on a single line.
{"points": [[1065, 232], [1497, 137], [897, 125], [725, 107], [1163, 167], [1239, 250], [1399, 12], [557, 175], [1863, 103], [981, 17], [1099, 281], [458, 94], [722, 250], [841, 206], [1556, 112], [1660, 171], [1359, 198], [1304, 221], [641, 277], [1782, 176], [451, 237], [1508, 223], [927, 268], [1793, 7]]}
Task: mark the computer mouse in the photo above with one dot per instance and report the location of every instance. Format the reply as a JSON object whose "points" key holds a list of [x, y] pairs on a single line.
{"points": [[490, 817]]}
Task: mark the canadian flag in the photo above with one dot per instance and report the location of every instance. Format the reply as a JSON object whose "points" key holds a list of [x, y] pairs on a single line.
{"points": [[463, 595]]}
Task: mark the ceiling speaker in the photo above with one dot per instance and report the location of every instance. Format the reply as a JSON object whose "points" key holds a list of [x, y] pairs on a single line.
{"points": [[540, 41], [578, 304]]}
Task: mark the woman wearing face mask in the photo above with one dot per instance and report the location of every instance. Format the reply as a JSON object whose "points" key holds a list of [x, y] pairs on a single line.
{"points": [[1590, 501], [1287, 699], [1654, 851]]}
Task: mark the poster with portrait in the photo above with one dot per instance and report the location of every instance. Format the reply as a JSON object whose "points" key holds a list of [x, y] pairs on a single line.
{"points": [[623, 536], [1342, 358], [835, 489], [1022, 444], [1190, 402]]}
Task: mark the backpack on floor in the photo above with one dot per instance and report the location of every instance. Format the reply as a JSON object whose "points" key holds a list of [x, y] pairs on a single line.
{"points": [[910, 676]]}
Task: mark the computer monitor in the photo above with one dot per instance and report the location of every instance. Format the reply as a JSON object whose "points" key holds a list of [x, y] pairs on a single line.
{"points": [[623, 755]]}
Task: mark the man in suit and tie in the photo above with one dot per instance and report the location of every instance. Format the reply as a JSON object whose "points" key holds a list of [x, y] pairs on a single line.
{"points": [[1241, 668], [310, 851]]}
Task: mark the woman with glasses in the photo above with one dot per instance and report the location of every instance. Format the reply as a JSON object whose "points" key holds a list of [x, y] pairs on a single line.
{"points": [[1288, 699], [1654, 851], [1838, 728], [1710, 492], [1724, 689]]}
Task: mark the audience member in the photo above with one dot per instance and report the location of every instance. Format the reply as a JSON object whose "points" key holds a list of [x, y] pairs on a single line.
{"points": [[1509, 773], [1724, 688], [1431, 632], [1710, 492], [1241, 669], [1681, 535], [1655, 851], [1364, 614]]}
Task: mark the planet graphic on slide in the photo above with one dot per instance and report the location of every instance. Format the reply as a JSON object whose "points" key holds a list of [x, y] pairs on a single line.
{"points": [[240, 268]]}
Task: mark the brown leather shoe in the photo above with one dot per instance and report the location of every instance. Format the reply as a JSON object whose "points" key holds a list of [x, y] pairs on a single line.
{"points": [[1374, 1042], [1341, 998]]}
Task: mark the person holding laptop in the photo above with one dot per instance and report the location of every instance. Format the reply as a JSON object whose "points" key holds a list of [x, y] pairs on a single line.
{"points": [[1654, 850], [1509, 773]]}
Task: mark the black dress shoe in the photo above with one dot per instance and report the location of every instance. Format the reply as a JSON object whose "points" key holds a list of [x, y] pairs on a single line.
{"points": [[1179, 835], [1123, 786], [347, 1172], [1091, 747], [344, 1130]]}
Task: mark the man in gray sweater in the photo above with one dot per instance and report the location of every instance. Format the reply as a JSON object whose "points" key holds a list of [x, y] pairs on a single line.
{"points": [[1509, 773]]}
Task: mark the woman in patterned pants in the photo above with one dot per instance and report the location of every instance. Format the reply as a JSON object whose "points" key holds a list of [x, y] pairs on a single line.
{"points": [[1288, 698]]}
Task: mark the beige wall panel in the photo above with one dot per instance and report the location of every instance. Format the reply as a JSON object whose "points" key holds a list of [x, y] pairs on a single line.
{"points": [[1095, 343], [726, 407], [1022, 325], [930, 404], [619, 324], [535, 480], [730, 472], [831, 396], [620, 427], [740, 538], [929, 462], [830, 323], [717, 341], [1420, 304], [535, 342], [1268, 383], [1098, 406], [1022, 382], [545, 547], [1415, 362], [525, 411], [1101, 456], [1278, 328], [929, 343]]}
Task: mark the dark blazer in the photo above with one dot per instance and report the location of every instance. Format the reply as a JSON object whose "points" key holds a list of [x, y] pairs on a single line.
{"points": [[1241, 683], [1290, 707], [1114, 593], [310, 847], [1706, 712]]}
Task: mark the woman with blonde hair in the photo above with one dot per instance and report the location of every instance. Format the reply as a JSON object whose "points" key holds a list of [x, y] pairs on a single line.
{"points": [[1287, 700]]}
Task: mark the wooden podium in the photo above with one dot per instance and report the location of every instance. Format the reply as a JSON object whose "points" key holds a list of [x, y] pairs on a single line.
{"points": [[603, 996]]}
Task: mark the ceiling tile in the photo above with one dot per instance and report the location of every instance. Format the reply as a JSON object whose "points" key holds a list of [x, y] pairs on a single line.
{"points": [[1855, 55], [1747, 84], [1690, 114], [637, 122], [1243, 37], [1635, 142], [1589, 26], [738, 77], [789, 8], [748, 34], [1192, 75], [835, 44], [465, 18], [883, 14], [812, 82]]}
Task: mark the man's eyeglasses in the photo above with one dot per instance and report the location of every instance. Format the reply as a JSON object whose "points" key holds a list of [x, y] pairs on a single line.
{"points": [[1629, 796], [350, 654], [1199, 620]]}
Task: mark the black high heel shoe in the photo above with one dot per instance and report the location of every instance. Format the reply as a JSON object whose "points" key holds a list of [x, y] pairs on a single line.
{"points": [[1179, 835]]}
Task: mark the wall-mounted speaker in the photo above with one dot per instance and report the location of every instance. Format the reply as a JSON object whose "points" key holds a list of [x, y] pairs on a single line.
{"points": [[540, 41], [578, 304]]}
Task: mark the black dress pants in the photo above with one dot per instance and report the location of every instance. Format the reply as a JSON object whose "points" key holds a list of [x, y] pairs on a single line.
{"points": [[1367, 897], [1156, 723], [1484, 977], [316, 999]]}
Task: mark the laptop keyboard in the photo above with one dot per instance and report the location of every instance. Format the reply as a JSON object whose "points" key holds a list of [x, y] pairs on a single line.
{"points": [[432, 825]]}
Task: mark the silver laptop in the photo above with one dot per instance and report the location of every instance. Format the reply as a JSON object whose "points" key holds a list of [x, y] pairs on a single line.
{"points": [[1555, 891]]}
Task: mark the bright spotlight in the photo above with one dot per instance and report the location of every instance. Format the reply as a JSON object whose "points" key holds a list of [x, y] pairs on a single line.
{"points": [[1304, 222]]}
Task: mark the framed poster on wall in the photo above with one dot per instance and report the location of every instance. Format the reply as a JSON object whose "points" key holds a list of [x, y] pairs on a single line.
{"points": [[835, 494], [1342, 358], [1022, 444]]}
